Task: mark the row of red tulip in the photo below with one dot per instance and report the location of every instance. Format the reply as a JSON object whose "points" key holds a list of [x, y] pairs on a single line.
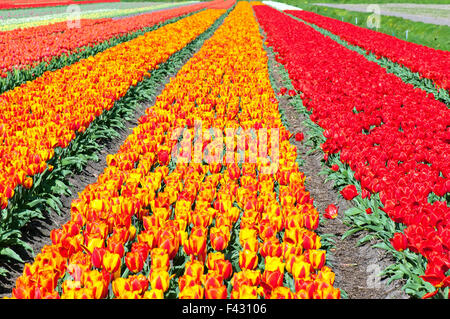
{"points": [[28, 47], [428, 62], [151, 212], [394, 137], [46, 113]]}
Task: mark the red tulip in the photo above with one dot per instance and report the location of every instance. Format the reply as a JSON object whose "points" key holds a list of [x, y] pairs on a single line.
{"points": [[292, 93], [349, 192], [331, 212], [163, 157], [299, 136]]}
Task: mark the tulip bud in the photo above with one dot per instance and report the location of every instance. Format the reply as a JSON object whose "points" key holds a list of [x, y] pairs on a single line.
{"points": [[399, 241], [159, 259], [292, 93], [28, 182], [311, 221], [248, 259], [196, 244], [216, 292], [134, 261], [219, 237], [111, 262], [163, 157], [271, 279], [301, 269], [317, 258], [247, 277], [159, 279], [97, 257]]}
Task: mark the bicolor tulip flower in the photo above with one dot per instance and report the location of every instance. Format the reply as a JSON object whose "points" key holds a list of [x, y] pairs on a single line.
{"points": [[159, 279], [248, 259], [134, 261]]}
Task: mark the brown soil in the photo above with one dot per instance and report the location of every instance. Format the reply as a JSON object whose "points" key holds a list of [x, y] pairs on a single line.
{"points": [[356, 267]]}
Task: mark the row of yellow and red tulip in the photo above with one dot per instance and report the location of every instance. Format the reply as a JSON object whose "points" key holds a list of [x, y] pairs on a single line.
{"points": [[48, 112], [192, 227]]}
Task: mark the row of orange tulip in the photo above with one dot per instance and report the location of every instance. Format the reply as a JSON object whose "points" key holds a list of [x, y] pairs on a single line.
{"points": [[48, 112], [155, 205]]}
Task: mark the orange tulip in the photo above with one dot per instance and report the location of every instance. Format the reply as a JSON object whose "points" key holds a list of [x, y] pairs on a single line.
{"points": [[97, 257], [311, 221], [326, 274], [187, 281], [115, 247], [290, 249], [326, 291]]}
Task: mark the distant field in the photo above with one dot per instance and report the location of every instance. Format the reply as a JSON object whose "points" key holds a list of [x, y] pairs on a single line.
{"points": [[13, 19], [432, 35]]}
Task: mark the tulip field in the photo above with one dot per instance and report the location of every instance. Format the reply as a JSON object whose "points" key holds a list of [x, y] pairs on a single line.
{"points": [[204, 195]]}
